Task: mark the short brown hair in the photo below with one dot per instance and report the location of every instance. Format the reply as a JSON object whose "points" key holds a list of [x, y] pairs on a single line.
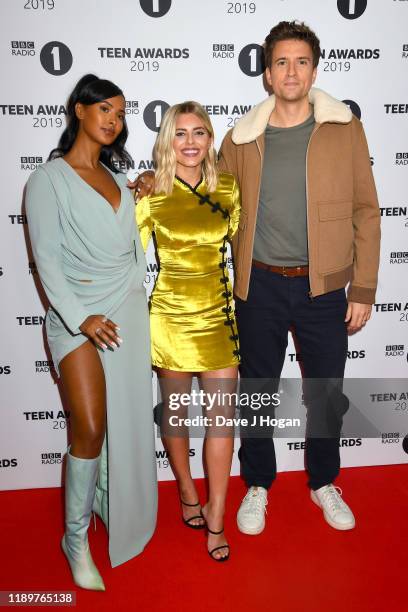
{"points": [[286, 30]]}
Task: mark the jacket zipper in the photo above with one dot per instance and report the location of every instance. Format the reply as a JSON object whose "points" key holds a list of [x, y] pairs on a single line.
{"points": [[259, 193], [307, 207]]}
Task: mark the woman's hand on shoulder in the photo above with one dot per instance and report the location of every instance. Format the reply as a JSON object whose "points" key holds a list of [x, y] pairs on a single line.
{"points": [[102, 331], [143, 185]]}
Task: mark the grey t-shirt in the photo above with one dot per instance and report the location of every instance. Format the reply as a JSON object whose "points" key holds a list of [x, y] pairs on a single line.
{"points": [[281, 226]]}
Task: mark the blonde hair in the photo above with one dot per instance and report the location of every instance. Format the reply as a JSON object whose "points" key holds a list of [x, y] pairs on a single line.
{"points": [[165, 157]]}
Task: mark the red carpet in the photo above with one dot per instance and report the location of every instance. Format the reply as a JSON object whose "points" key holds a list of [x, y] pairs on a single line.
{"points": [[298, 564]]}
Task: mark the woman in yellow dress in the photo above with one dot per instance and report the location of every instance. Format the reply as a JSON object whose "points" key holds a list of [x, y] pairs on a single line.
{"points": [[193, 212]]}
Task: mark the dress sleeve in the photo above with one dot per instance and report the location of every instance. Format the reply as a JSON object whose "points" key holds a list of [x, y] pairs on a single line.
{"points": [[45, 235], [235, 209], [144, 221]]}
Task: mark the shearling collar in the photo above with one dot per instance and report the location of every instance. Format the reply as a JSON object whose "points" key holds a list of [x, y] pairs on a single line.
{"points": [[253, 124]]}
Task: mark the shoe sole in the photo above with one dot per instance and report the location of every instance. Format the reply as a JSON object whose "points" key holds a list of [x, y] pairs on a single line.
{"points": [[338, 526], [249, 531]]}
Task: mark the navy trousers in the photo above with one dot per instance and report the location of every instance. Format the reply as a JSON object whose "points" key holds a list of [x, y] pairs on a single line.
{"points": [[275, 305]]}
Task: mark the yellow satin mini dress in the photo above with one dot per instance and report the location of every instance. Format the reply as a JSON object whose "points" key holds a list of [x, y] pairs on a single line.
{"points": [[192, 319]]}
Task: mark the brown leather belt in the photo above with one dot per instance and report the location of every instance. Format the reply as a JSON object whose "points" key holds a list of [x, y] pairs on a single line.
{"points": [[283, 270]]}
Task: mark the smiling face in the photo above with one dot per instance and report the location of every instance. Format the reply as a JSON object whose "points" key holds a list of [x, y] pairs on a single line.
{"points": [[191, 141], [103, 121], [291, 73]]}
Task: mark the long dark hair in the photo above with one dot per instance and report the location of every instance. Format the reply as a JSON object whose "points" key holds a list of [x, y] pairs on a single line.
{"points": [[89, 90]]}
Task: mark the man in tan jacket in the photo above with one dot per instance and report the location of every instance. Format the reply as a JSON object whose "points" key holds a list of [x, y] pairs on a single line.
{"points": [[310, 226]]}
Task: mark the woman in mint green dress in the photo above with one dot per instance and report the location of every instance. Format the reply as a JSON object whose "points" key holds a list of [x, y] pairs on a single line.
{"points": [[92, 266]]}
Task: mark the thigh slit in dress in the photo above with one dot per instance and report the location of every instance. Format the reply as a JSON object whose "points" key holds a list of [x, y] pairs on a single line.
{"points": [[90, 261]]}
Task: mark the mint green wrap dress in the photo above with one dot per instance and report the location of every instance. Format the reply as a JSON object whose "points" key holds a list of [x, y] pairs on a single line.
{"points": [[90, 261]]}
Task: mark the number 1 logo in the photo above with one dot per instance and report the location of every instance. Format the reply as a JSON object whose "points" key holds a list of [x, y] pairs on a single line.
{"points": [[351, 9], [55, 52], [251, 60], [56, 58], [155, 8], [153, 114]]}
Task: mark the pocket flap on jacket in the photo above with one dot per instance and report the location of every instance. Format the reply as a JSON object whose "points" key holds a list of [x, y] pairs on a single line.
{"points": [[335, 210]]}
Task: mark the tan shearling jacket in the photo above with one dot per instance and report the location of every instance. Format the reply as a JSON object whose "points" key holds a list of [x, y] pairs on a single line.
{"points": [[343, 216]]}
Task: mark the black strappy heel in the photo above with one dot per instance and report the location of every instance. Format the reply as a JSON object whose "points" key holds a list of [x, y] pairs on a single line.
{"points": [[212, 551], [187, 522]]}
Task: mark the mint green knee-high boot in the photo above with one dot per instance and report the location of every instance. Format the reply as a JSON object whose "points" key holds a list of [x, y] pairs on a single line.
{"points": [[100, 504], [80, 485]]}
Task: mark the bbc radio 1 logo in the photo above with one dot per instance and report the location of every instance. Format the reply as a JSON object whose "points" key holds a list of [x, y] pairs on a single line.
{"points": [[132, 107], [401, 159], [354, 107], [394, 350], [251, 60], [22, 47], [392, 437], [42, 366], [155, 8], [56, 58], [153, 114], [351, 9], [399, 257], [51, 458], [30, 162], [223, 51]]}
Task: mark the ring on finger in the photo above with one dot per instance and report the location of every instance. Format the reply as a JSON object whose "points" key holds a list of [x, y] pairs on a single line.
{"points": [[98, 330]]}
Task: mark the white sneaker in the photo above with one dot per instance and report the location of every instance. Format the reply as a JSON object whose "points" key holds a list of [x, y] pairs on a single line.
{"points": [[251, 514], [335, 510]]}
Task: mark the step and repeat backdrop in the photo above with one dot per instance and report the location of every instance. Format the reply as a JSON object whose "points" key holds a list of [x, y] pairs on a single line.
{"points": [[161, 52]]}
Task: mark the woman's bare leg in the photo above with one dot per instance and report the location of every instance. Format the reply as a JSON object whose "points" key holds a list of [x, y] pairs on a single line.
{"points": [[218, 450], [176, 439], [83, 382], [84, 386]]}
